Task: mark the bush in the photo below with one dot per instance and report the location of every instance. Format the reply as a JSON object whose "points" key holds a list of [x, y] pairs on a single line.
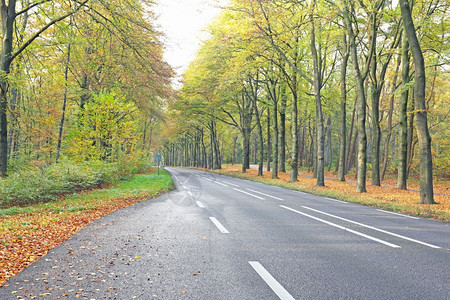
{"points": [[37, 184]]}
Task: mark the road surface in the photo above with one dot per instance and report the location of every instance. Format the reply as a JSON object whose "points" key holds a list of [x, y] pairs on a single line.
{"points": [[218, 237]]}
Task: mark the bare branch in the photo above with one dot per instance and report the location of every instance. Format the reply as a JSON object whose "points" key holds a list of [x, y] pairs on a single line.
{"points": [[31, 6], [37, 34]]}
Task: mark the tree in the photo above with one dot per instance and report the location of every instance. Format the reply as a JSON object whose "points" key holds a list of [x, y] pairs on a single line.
{"points": [[403, 151], [343, 130], [9, 15], [360, 78], [377, 77], [290, 50], [119, 25], [426, 163]]}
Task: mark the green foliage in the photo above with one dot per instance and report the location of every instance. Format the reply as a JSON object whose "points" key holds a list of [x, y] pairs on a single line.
{"points": [[14, 211], [105, 129], [44, 184]]}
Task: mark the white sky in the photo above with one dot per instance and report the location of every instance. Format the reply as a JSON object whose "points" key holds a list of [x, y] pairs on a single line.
{"points": [[182, 22]]}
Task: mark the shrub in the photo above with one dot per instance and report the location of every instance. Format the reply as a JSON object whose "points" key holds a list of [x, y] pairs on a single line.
{"points": [[36, 184]]}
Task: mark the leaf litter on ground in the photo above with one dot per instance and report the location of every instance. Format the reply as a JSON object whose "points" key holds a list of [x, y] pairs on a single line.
{"points": [[27, 234], [387, 197]]}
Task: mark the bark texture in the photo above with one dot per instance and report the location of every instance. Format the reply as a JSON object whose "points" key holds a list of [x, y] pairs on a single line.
{"points": [[426, 163], [403, 125], [343, 127]]}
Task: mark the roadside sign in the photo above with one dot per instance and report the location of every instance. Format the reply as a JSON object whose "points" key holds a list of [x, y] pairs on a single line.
{"points": [[158, 160]]}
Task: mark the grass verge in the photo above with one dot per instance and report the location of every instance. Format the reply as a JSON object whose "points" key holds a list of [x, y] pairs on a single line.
{"points": [[28, 233], [392, 199]]}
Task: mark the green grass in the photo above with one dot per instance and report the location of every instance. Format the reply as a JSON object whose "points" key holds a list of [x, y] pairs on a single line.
{"points": [[140, 186]]}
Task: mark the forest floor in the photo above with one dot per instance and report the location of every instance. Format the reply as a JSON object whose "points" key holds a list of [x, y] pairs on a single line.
{"points": [[27, 234], [386, 197]]}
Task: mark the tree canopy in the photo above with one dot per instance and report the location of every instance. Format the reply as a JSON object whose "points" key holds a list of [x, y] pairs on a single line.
{"points": [[309, 68], [354, 87]]}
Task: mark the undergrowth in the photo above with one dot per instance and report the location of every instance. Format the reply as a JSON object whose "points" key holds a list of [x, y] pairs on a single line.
{"points": [[39, 184], [27, 233]]}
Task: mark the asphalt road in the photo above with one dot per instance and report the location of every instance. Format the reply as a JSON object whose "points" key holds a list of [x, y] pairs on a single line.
{"points": [[218, 237]]}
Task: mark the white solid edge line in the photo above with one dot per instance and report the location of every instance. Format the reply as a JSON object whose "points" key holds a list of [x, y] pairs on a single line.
{"points": [[218, 225], [335, 200], [271, 282], [199, 204], [244, 192], [265, 194], [343, 228], [374, 228], [230, 183], [397, 214]]}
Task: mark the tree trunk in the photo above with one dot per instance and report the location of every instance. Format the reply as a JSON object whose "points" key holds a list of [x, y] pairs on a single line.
{"points": [[275, 135], [390, 113], [301, 154], [328, 158], [351, 162], [269, 141], [13, 126], [211, 146], [255, 149], [63, 111], [300, 142], [410, 135], [282, 151], [294, 157], [376, 135], [360, 110], [426, 163], [349, 148], [311, 147], [233, 158], [362, 141], [403, 125], [204, 156], [215, 147], [8, 15], [315, 154], [261, 138], [343, 129], [246, 150], [318, 101]]}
